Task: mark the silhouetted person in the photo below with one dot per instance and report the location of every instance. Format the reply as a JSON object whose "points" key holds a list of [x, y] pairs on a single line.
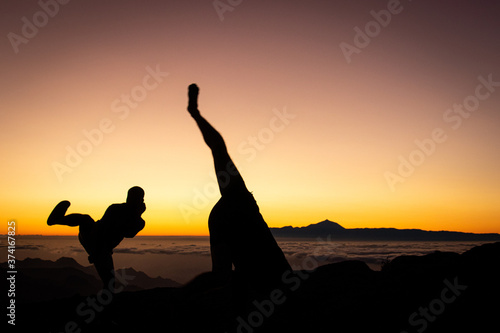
{"points": [[101, 237], [239, 235]]}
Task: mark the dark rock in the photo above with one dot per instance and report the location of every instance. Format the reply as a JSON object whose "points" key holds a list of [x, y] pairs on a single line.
{"points": [[439, 292]]}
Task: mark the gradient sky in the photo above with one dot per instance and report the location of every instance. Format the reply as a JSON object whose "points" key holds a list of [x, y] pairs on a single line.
{"points": [[317, 133]]}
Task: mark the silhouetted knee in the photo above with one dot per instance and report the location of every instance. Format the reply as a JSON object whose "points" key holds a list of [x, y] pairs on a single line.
{"points": [[83, 220]]}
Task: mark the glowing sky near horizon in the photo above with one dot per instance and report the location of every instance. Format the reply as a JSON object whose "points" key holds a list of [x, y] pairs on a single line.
{"points": [[313, 134]]}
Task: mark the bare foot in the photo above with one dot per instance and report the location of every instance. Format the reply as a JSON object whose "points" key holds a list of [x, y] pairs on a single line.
{"points": [[193, 91], [58, 212]]}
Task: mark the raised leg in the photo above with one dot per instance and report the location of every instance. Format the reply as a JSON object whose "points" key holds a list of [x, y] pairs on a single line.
{"points": [[57, 214], [228, 176], [239, 235]]}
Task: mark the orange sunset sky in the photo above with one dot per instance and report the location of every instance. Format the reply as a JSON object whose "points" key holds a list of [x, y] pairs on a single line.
{"points": [[367, 113]]}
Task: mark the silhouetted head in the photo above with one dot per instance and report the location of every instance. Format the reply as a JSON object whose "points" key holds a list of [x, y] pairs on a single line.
{"points": [[135, 195]]}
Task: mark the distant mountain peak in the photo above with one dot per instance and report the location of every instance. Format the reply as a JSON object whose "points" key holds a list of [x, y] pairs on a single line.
{"points": [[326, 224], [325, 227], [338, 232]]}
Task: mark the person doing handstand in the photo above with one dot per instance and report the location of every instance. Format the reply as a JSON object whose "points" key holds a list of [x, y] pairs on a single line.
{"points": [[100, 238], [239, 235]]}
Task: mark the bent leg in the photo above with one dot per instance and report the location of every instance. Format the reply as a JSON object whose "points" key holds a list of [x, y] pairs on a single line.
{"points": [[58, 213], [57, 216], [75, 220]]}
